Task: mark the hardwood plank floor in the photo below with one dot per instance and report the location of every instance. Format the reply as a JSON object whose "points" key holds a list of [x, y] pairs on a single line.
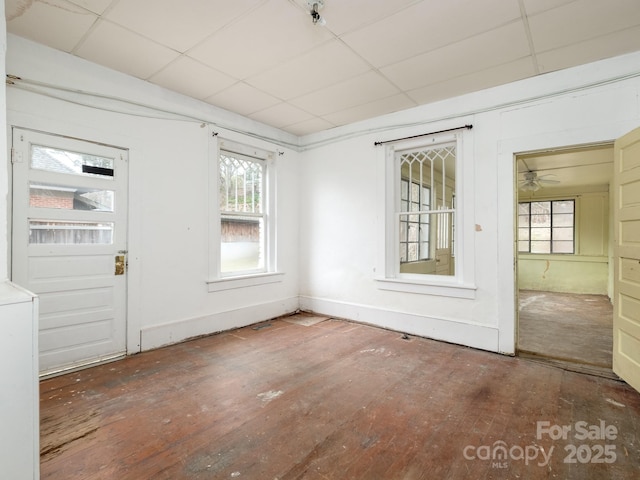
{"points": [[330, 400], [564, 326]]}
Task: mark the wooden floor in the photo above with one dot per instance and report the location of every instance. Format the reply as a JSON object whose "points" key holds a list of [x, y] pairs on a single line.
{"points": [[333, 400], [564, 326]]}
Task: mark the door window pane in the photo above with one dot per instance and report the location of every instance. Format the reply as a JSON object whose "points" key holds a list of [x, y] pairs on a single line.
{"points": [[52, 232], [63, 161], [70, 198]]}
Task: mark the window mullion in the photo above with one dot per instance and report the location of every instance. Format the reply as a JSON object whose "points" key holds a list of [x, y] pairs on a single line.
{"points": [[530, 232], [551, 227]]}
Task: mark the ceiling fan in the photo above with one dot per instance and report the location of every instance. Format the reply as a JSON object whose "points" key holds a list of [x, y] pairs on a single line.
{"points": [[532, 182]]}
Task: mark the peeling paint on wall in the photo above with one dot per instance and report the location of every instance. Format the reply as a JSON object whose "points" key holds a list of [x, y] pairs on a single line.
{"points": [[544, 274]]}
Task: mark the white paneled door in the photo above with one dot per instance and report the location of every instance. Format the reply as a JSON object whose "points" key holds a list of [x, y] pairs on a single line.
{"points": [[69, 245], [626, 303]]}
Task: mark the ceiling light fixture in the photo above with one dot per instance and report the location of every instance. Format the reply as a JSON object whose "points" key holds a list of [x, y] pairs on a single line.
{"points": [[316, 5], [530, 187]]}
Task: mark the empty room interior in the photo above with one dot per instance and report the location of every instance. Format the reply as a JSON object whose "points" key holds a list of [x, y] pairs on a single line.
{"points": [[320, 239]]}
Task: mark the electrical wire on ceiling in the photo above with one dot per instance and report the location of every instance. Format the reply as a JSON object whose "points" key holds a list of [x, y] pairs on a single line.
{"points": [[22, 83], [145, 110]]}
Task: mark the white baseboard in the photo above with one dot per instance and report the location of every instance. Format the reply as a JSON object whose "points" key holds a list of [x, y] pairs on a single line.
{"points": [[174, 332], [484, 337]]}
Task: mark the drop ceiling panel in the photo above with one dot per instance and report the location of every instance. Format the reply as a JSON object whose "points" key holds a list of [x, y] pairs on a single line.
{"points": [[95, 6], [537, 6], [484, 51], [587, 19], [44, 23], [350, 93], [590, 51], [309, 126], [243, 99], [343, 16], [479, 80], [390, 104], [120, 49], [262, 39], [179, 25], [189, 77], [426, 26], [281, 115], [325, 65]]}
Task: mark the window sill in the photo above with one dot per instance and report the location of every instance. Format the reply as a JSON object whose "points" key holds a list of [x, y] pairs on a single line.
{"points": [[243, 281], [440, 288]]}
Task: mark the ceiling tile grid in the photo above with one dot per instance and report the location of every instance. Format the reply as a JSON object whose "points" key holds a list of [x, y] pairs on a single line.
{"points": [[267, 60]]}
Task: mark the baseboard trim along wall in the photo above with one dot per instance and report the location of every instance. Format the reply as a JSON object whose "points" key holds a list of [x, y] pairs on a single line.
{"points": [[173, 332], [484, 337]]}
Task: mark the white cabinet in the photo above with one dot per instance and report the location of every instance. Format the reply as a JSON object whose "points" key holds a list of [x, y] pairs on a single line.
{"points": [[19, 393]]}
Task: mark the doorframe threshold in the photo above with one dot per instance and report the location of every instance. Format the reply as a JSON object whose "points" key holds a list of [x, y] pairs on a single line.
{"points": [[80, 366], [569, 365]]}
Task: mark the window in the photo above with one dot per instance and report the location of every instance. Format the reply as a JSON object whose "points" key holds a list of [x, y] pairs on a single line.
{"points": [[242, 216], [423, 210], [427, 189], [546, 227], [242, 212]]}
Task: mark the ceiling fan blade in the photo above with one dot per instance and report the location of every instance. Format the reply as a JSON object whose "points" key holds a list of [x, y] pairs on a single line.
{"points": [[548, 181]]}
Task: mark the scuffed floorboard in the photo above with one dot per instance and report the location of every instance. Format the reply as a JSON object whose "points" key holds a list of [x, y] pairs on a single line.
{"points": [[334, 400]]}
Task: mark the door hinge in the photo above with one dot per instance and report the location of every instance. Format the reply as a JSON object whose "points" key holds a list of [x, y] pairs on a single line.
{"points": [[16, 156]]}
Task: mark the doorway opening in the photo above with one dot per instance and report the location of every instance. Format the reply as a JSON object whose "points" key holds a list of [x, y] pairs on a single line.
{"points": [[565, 248]]}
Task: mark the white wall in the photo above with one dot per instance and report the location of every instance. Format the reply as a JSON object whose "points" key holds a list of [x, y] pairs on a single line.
{"points": [[4, 170], [19, 417], [168, 298], [341, 240], [331, 196]]}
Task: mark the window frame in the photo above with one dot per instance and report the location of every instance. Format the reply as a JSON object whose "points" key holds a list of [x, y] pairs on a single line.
{"points": [[551, 227], [218, 280], [241, 216], [388, 275]]}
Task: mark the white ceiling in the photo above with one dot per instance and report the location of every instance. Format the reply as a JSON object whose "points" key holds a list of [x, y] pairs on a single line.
{"points": [[577, 167], [265, 59]]}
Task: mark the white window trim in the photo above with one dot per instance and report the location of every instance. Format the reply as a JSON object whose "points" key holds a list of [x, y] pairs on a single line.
{"points": [[462, 283], [242, 281], [217, 281]]}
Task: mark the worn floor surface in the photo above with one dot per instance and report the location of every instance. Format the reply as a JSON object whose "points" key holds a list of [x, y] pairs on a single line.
{"points": [[565, 326], [334, 400]]}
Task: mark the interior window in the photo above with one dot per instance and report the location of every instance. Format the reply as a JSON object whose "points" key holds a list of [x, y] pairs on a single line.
{"points": [[426, 209], [546, 227]]}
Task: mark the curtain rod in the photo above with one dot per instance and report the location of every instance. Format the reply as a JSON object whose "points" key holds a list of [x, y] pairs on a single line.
{"points": [[468, 127]]}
